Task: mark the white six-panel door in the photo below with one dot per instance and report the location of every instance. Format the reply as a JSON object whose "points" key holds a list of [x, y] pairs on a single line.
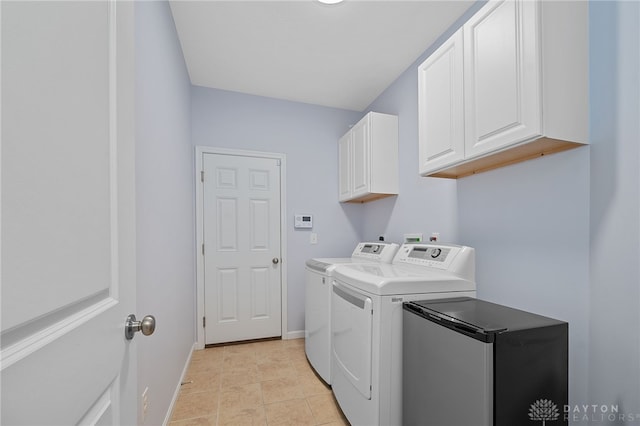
{"points": [[68, 217], [242, 247]]}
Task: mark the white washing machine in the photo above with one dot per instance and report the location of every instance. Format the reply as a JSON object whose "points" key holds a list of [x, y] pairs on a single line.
{"points": [[366, 305], [318, 300]]}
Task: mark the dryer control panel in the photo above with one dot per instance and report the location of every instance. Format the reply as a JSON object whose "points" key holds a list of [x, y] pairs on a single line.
{"points": [[438, 256]]}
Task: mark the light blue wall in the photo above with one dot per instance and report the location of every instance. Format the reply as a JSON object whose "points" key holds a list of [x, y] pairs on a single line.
{"points": [[558, 235], [423, 205], [615, 207], [529, 224], [165, 216], [308, 135]]}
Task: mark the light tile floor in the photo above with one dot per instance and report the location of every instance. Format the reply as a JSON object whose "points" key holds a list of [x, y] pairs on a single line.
{"points": [[259, 383]]}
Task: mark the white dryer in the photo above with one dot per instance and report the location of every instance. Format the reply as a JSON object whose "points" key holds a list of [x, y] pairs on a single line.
{"points": [[366, 305], [318, 300]]}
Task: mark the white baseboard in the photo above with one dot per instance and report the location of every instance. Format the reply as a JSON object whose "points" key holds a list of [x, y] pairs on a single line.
{"points": [[167, 418], [294, 335]]}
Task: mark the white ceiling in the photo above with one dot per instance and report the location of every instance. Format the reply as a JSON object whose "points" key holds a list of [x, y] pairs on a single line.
{"points": [[339, 56]]}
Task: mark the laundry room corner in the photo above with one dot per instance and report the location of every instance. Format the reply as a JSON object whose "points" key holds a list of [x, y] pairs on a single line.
{"points": [[306, 135], [164, 204]]}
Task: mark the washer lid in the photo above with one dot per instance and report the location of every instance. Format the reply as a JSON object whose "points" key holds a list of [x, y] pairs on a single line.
{"points": [[387, 279], [326, 263]]}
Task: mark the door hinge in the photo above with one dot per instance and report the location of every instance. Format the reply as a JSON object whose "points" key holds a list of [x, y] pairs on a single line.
{"points": [[202, 176], [278, 162], [204, 322], [203, 249]]}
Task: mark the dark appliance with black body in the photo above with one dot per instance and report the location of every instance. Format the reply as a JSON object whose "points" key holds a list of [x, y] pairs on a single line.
{"points": [[471, 362]]}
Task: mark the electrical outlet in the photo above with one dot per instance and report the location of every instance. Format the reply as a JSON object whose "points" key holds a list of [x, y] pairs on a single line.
{"points": [[145, 403]]}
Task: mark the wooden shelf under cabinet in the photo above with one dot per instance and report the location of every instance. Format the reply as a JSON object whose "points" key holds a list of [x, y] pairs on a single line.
{"points": [[369, 197], [512, 155]]}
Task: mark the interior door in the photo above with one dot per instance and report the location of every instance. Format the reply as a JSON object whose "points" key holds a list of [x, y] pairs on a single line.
{"points": [[68, 218], [242, 268]]}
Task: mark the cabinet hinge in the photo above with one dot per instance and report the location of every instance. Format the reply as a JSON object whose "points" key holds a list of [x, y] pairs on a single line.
{"points": [[202, 176], [204, 322]]}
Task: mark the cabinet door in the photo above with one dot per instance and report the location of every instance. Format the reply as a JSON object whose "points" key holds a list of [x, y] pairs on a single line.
{"points": [[502, 76], [344, 167], [361, 160], [441, 106]]}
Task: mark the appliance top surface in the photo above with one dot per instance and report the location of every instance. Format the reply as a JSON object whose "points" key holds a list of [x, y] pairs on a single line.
{"points": [[416, 268], [385, 279], [328, 264], [488, 316]]}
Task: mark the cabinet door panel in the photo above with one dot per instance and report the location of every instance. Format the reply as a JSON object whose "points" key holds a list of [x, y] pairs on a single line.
{"points": [[361, 159], [502, 78], [441, 111], [344, 167]]}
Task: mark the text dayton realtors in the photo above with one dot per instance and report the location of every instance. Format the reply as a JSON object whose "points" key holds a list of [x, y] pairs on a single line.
{"points": [[597, 413]]}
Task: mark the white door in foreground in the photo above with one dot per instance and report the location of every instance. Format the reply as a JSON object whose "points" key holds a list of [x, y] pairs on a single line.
{"points": [[68, 217]]}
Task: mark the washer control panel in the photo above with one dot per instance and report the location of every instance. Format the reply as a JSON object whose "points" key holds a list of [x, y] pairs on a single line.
{"points": [[429, 255], [382, 252]]}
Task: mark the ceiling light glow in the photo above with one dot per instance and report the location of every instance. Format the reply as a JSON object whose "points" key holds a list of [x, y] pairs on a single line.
{"points": [[330, 1]]}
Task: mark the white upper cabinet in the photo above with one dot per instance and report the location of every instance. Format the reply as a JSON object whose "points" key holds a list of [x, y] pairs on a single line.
{"points": [[368, 159], [524, 85], [501, 76], [441, 105]]}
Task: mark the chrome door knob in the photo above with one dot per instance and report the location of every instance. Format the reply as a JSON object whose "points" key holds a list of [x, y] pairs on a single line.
{"points": [[275, 260], [147, 326]]}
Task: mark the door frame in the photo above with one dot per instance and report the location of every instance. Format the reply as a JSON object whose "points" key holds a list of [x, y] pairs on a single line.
{"points": [[199, 196]]}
